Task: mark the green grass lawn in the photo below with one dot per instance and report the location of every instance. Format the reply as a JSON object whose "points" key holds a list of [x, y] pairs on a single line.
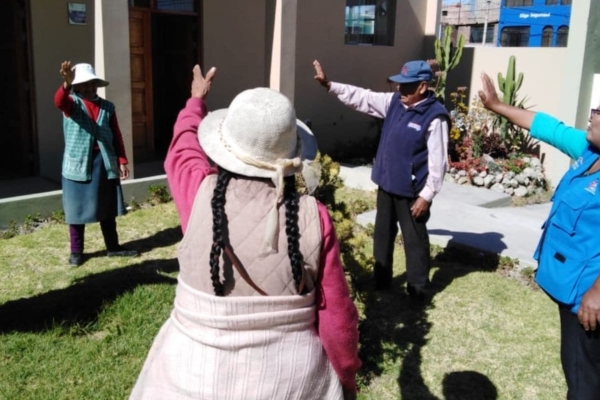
{"points": [[83, 333]]}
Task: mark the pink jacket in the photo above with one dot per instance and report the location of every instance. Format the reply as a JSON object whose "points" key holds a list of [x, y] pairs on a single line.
{"points": [[337, 324]]}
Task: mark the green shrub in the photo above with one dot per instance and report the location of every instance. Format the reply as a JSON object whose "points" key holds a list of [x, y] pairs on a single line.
{"points": [[158, 194], [351, 238]]}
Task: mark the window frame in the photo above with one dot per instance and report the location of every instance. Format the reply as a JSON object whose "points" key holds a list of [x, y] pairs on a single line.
{"points": [[547, 29], [383, 25], [562, 33], [514, 3], [519, 30], [489, 39]]}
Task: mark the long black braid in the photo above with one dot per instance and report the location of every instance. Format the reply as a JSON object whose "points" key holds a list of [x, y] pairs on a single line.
{"points": [[290, 196], [218, 211]]}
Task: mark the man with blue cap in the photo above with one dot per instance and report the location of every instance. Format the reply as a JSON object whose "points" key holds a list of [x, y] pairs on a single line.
{"points": [[409, 166]]}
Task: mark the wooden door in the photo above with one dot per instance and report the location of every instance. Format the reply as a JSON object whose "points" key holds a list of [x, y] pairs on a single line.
{"points": [[142, 113], [18, 155]]}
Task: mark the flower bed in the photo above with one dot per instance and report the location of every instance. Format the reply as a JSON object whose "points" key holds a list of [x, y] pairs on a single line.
{"points": [[484, 153], [521, 177]]}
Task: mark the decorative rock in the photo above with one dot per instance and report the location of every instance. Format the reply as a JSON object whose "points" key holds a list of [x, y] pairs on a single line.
{"points": [[535, 163], [483, 174], [452, 170], [510, 174], [497, 188], [462, 173], [478, 181], [488, 180], [526, 181], [487, 159], [506, 181], [520, 178], [473, 172], [521, 191], [528, 172], [498, 178], [526, 160], [514, 183], [462, 180], [509, 191]]}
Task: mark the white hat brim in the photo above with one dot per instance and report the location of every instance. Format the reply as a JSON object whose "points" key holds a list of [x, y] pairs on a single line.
{"points": [[88, 78], [209, 138]]}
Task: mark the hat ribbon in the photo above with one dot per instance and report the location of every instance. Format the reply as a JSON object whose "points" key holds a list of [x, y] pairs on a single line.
{"points": [[269, 245]]}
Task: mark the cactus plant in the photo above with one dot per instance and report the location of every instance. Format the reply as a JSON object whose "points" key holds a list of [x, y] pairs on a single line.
{"points": [[509, 86], [446, 60]]}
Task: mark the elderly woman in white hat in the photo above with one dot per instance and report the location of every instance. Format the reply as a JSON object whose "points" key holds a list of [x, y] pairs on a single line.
{"points": [[94, 160], [262, 307]]}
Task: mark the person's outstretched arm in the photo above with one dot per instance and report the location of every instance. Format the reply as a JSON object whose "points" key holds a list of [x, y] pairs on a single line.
{"points": [[364, 100], [544, 127], [62, 100], [186, 163]]}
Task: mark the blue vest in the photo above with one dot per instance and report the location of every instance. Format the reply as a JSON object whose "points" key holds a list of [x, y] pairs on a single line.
{"points": [[401, 162], [569, 251], [80, 134]]}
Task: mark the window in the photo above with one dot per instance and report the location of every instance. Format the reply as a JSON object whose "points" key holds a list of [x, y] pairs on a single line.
{"points": [[139, 3], [476, 35], [175, 5], [547, 34], [562, 36], [566, 2], [551, 2], [515, 36], [166, 5], [370, 22], [517, 3]]}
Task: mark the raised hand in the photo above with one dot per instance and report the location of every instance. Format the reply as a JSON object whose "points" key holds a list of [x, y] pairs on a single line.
{"points": [[201, 84], [67, 73], [320, 75], [488, 95]]}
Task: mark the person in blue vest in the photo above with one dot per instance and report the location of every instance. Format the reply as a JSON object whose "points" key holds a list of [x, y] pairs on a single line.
{"points": [[409, 166], [568, 253], [94, 160]]}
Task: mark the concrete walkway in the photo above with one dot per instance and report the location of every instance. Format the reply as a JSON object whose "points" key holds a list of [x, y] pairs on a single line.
{"points": [[471, 216]]}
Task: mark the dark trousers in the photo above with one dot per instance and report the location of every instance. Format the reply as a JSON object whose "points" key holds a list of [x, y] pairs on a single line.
{"points": [[109, 232], [391, 210], [580, 356]]}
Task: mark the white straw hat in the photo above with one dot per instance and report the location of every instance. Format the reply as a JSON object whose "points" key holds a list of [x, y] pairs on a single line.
{"points": [[85, 73], [259, 136], [258, 130]]}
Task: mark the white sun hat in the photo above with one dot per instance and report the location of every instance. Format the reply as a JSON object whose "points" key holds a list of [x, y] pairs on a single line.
{"points": [[85, 73], [259, 136]]}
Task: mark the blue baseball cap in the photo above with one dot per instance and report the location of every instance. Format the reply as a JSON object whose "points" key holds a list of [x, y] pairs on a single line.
{"points": [[413, 71]]}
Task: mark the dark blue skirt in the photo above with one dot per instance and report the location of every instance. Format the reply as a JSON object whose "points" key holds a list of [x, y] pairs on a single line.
{"points": [[95, 200]]}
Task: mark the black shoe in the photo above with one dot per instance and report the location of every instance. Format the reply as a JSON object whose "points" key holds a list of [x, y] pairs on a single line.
{"points": [[75, 259], [122, 252], [381, 284], [419, 294]]}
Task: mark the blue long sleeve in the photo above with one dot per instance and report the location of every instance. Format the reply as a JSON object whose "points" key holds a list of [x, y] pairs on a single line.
{"points": [[569, 140]]}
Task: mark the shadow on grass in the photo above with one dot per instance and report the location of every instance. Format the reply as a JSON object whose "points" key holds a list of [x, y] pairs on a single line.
{"points": [[396, 326], [164, 238], [82, 302]]}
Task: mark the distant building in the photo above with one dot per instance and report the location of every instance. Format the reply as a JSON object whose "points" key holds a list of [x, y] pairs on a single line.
{"points": [[468, 19], [534, 23]]}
